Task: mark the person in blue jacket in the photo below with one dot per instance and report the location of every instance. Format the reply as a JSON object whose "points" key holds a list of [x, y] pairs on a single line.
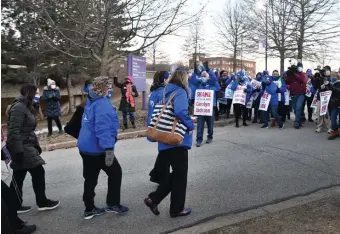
{"points": [[282, 108], [51, 96], [270, 87], [240, 109], [229, 101], [204, 78], [256, 103], [175, 156], [192, 89], [96, 144], [159, 172]]}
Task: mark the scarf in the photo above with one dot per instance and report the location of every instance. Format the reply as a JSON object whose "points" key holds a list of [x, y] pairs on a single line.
{"points": [[129, 97]]}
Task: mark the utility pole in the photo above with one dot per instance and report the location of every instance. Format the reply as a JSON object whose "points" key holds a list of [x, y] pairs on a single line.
{"points": [[266, 35]]}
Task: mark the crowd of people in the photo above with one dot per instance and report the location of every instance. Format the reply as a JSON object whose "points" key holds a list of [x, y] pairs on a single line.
{"points": [[170, 123]]}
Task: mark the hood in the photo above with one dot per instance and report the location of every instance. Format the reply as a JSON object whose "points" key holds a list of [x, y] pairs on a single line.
{"points": [[154, 87], [259, 76], [93, 96]]}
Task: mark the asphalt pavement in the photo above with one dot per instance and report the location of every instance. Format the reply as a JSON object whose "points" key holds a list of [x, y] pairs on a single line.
{"points": [[242, 168]]}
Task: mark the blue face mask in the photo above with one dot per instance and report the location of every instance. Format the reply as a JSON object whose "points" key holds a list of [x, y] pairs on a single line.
{"points": [[110, 94], [36, 99]]}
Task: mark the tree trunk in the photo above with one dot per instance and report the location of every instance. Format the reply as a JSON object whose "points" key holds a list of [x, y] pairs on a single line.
{"points": [[104, 57], [282, 61], [302, 34], [235, 60], [70, 94]]}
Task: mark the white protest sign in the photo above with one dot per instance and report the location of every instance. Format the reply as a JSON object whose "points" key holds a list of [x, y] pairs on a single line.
{"points": [[279, 85], [229, 94], [315, 101], [264, 102], [251, 100], [324, 100], [240, 95], [204, 102], [287, 94], [309, 87], [256, 84]]}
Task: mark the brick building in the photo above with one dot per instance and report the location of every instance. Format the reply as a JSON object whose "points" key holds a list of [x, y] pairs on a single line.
{"points": [[226, 64]]}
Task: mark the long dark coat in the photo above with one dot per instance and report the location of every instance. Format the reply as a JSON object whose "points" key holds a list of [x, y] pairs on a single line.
{"points": [[52, 98], [124, 105]]}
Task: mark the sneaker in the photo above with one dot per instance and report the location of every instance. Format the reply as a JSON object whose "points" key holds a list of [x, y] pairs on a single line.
{"points": [[237, 125], [49, 134], [281, 126], [254, 121], [50, 205], [95, 212], [318, 130], [26, 229], [265, 126], [209, 141], [61, 131], [245, 124], [117, 209], [153, 207], [24, 209], [198, 144], [185, 212], [310, 120]]}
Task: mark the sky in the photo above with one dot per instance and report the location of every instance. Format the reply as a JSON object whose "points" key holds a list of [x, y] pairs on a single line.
{"points": [[172, 45]]}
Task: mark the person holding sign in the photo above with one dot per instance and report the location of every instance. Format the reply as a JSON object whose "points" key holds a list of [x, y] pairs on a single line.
{"points": [[310, 92], [271, 89], [229, 94], [242, 93], [281, 89], [256, 103], [334, 104], [204, 79]]}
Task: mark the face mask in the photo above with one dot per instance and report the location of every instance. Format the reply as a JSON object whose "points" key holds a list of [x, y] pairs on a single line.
{"points": [[204, 79], [36, 98], [190, 74], [109, 94], [328, 73], [299, 69], [53, 86]]}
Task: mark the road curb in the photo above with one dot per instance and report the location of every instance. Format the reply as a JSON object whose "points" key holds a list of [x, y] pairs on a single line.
{"points": [[221, 221], [121, 136]]}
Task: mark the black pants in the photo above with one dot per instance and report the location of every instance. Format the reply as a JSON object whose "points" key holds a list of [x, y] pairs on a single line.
{"points": [[9, 217], [238, 110], [282, 111], [49, 123], [175, 182], [91, 169], [229, 102], [309, 101], [223, 108], [38, 182], [160, 170]]}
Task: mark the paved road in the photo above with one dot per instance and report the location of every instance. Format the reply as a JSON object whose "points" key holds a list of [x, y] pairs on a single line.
{"points": [[242, 168]]}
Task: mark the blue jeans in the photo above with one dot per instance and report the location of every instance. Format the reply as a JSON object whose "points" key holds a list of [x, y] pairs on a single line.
{"points": [[201, 120], [297, 103], [131, 115], [335, 113], [273, 110]]}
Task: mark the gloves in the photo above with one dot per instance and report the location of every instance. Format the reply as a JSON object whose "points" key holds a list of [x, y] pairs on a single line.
{"points": [[109, 157], [39, 149]]}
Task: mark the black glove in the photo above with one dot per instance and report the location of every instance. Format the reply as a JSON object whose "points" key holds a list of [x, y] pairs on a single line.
{"points": [[206, 66], [278, 90], [39, 149]]}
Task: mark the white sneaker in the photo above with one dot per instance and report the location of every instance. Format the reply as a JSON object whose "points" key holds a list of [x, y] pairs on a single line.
{"points": [[318, 130]]}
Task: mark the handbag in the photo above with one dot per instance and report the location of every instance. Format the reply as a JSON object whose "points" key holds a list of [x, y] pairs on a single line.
{"points": [[164, 126], [74, 125]]}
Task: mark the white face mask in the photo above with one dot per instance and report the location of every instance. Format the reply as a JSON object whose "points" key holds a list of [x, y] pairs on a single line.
{"points": [[53, 86], [328, 73], [299, 69]]}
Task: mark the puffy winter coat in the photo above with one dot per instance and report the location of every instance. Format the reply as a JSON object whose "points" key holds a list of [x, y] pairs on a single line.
{"points": [[296, 83], [210, 84], [52, 98], [21, 139], [334, 102]]}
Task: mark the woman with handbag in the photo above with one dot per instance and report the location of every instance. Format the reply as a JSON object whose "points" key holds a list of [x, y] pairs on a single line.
{"points": [[175, 154]]}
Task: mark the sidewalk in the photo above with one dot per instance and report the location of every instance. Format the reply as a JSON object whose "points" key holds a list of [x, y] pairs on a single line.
{"points": [[318, 212], [65, 141]]}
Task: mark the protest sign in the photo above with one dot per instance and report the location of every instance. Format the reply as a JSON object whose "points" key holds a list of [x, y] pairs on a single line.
{"points": [[324, 100], [287, 94], [279, 85], [309, 87], [204, 102], [251, 100], [240, 95], [264, 102], [315, 101], [229, 94], [256, 84]]}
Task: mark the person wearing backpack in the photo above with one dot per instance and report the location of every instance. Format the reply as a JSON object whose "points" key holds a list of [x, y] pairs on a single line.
{"points": [[175, 156]]}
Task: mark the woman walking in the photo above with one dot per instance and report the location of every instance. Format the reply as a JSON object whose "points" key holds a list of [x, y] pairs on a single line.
{"points": [[175, 156], [51, 96], [96, 143], [127, 103], [25, 151]]}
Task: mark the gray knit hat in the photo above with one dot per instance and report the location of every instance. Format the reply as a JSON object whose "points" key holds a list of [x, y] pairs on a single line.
{"points": [[100, 85]]}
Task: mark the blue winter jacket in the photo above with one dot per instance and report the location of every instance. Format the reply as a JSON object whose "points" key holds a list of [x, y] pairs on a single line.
{"points": [[272, 90], [52, 98], [209, 85], [181, 105], [99, 126], [283, 88], [155, 97]]}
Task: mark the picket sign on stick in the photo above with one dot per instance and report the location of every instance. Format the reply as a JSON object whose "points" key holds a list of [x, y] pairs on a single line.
{"points": [[251, 100], [309, 88], [324, 100], [239, 95], [287, 94], [315, 101], [204, 102], [256, 84], [264, 102], [229, 94]]}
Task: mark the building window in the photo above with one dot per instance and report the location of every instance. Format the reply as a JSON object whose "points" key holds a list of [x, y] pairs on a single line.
{"points": [[210, 62], [218, 62]]}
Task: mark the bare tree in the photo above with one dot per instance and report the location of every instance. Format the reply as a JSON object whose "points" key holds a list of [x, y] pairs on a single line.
{"points": [[157, 55], [232, 29], [109, 29]]}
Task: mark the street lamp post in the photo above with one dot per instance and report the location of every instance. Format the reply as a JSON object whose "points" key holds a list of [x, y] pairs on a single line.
{"points": [[266, 59]]}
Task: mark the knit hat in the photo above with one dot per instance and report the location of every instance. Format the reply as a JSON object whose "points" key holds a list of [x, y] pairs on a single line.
{"points": [[100, 85], [166, 75], [299, 64], [50, 82]]}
